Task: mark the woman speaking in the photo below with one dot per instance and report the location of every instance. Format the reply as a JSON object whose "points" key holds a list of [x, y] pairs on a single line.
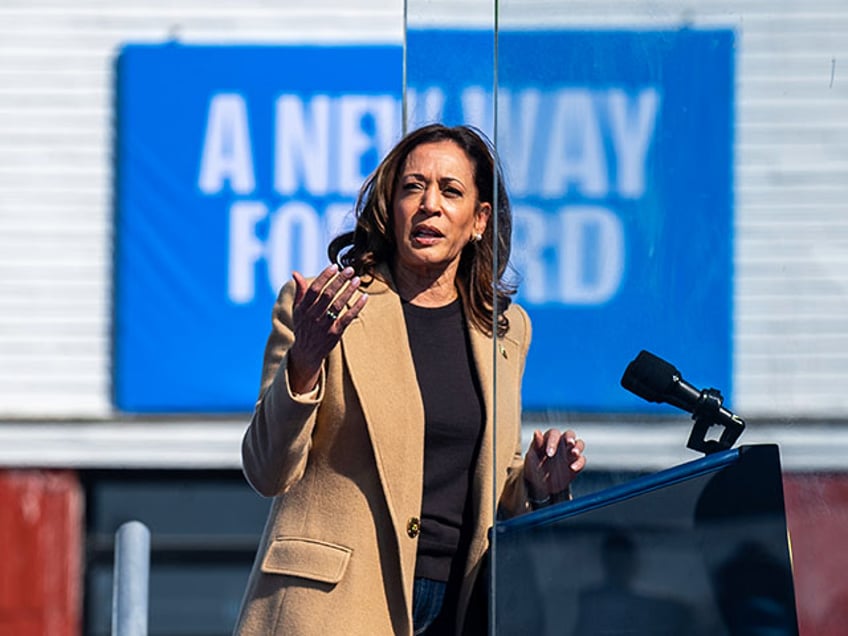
{"points": [[374, 430]]}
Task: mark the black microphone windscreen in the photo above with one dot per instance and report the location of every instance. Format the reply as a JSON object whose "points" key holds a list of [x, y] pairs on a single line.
{"points": [[650, 377]]}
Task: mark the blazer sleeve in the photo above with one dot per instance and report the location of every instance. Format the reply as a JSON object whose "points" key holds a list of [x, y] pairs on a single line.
{"points": [[277, 441], [514, 497]]}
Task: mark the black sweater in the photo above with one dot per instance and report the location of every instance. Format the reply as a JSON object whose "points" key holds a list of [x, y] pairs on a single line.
{"points": [[453, 411]]}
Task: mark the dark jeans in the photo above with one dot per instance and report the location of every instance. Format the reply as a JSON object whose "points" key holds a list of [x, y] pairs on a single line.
{"points": [[427, 599]]}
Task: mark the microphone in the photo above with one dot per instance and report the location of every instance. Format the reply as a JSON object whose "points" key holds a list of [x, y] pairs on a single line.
{"points": [[655, 380]]}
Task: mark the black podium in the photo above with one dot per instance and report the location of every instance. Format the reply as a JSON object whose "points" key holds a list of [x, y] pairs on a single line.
{"points": [[699, 549]]}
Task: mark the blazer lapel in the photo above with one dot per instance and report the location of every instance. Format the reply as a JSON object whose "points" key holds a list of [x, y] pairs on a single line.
{"points": [[379, 360], [498, 365]]}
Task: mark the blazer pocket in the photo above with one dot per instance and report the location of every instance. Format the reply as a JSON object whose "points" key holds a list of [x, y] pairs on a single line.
{"points": [[306, 558]]}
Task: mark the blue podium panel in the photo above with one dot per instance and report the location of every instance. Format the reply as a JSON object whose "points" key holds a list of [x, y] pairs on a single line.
{"points": [[699, 549]]}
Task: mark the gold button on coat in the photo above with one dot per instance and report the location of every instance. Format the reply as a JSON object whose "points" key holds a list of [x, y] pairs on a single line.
{"points": [[413, 527]]}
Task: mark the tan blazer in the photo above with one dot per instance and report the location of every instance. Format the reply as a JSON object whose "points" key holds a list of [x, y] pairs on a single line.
{"points": [[346, 470]]}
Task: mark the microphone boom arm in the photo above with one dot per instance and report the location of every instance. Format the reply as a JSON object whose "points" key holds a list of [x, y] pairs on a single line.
{"points": [[706, 414]]}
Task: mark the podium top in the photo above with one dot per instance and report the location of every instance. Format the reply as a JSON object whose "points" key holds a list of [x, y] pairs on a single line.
{"points": [[766, 455]]}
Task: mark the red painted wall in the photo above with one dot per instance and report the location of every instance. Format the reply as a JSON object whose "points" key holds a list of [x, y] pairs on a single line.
{"points": [[817, 516], [40, 553]]}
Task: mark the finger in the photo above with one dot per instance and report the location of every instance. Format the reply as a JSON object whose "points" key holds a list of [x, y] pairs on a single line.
{"points": [[578, 464], [534, 475], [538, 443], [563, 464], [300, 287], [571, 446], [552, 438], [331, 291], [534, 456], [341, 302], [320, 282], [343, 298], [331, 315], [353, 311], [339, 311]]}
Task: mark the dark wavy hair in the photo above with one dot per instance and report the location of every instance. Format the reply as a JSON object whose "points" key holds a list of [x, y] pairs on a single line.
{"points": [[372, 241]]}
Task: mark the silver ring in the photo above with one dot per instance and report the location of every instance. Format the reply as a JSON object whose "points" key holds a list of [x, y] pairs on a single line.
{"points": [[332, 315]]}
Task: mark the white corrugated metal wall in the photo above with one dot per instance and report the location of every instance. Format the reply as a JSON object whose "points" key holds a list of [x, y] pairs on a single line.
{"points": [[791, 174], [56, 87]]}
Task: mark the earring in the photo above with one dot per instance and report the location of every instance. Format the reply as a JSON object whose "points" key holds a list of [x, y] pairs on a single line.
{"points": [[477, 237]]}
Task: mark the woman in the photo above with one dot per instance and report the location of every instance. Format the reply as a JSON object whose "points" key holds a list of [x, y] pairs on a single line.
{"points": [[374, 427]]}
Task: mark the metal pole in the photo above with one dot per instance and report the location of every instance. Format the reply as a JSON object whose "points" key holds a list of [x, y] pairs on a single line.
{"points": [[130, 580]]}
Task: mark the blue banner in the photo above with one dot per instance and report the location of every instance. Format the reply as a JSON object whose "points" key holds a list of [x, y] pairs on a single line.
{"points": [[235, 165], [618, 152]]}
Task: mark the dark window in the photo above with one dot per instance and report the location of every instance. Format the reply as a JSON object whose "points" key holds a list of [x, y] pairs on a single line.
{"points": [[205, 527]]}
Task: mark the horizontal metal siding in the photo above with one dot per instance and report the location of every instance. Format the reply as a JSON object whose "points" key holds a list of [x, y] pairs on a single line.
{"points": [[56, 91], [792, 228]]}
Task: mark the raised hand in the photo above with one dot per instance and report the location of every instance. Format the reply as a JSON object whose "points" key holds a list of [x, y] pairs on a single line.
{"points": [[322, 311]]}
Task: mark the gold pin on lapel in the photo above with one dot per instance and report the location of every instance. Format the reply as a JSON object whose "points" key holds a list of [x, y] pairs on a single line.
{"points": [[502, 350]]}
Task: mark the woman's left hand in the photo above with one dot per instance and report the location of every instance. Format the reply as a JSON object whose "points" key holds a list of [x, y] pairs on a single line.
{"points": [[552, 462]]}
